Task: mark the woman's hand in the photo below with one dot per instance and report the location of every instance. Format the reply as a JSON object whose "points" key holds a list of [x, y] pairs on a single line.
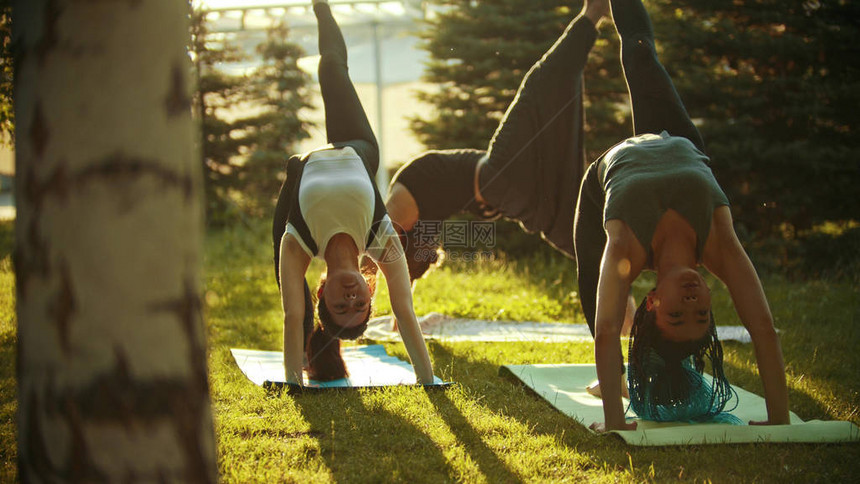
{"points": [[600, 427]]}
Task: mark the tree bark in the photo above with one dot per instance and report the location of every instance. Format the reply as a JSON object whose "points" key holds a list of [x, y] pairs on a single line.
{"points": [[111, 346]]}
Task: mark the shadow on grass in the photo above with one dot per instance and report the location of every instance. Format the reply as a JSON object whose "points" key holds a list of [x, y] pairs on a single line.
{"points": [[485, 458], [389, 445], [504, 397], [804, 404], [735, 462]]}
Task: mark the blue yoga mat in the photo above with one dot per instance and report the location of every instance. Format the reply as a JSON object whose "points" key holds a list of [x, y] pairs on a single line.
{"points": [[368, 366]]}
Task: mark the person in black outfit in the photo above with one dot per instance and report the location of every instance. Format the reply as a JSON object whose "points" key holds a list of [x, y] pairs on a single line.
{"points": [[535, 156], [527, 173]]}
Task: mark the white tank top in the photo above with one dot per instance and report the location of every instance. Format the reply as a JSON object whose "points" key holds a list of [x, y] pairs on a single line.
{"points": [[337, 196]]}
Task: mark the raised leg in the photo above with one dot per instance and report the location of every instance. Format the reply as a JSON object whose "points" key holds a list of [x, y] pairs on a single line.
{"points": [[655, 102], [344, 116]]}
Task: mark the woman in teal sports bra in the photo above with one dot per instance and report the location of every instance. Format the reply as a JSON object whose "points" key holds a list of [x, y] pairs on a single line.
{"points": [[652, 203]]}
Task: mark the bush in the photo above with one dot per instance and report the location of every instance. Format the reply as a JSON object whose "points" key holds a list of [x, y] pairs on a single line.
{"points": [[814, 255]]}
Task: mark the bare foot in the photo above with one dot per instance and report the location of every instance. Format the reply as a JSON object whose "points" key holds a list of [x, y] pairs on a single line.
{"points": [[593, 388], [596, 10]]}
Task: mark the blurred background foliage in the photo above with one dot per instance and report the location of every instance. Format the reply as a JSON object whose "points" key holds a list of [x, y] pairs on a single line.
{"points": [[248, 122], [773, 87]]}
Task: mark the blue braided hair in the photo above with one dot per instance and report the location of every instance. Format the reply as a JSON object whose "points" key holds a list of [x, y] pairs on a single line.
{"points": [[666, 380]]}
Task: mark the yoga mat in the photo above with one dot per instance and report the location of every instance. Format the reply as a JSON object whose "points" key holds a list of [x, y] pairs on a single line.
{"points": [[563, 386], [443, 328], [368, 366]]}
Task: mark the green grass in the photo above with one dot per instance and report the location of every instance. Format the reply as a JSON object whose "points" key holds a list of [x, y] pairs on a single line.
{"points": [[486, 428]]}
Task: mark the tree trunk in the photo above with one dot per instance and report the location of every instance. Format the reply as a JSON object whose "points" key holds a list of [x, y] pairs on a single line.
{"points": [[111, 346]]}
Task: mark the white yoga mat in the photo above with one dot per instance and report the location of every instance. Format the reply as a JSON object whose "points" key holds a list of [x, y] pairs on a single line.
{"points": [[440, 327], [563, 386], [368, 366]]}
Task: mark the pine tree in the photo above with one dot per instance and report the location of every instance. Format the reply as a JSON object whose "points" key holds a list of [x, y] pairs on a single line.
{"points": [[217, 93], [278, 89], [775, 87], [249, 124]]}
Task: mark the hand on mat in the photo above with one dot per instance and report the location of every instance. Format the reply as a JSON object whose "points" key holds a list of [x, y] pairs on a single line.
{"points": [[600, 427]]}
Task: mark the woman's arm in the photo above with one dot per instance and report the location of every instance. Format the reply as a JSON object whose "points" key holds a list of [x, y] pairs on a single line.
{"points": [[613, 288], [393, 265], [725, 258], [293, 265]]}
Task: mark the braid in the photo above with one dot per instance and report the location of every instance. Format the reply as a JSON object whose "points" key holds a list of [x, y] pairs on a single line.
{"points": [[666, 380]]}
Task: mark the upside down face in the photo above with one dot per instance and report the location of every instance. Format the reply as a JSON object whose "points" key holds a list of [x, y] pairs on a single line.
{"points": [[682, 302], [347, 298]]}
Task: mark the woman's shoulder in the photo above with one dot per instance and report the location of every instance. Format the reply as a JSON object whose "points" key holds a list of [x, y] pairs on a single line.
{"points": [[722, 243], [619, 233], [292, 245], [722, 226]]}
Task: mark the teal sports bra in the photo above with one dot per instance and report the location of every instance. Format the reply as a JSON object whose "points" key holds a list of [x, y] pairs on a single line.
{"points": [[644, 176]]}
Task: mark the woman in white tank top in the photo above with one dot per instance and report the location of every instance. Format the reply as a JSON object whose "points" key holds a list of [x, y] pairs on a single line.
{"points": [[334, 212]]}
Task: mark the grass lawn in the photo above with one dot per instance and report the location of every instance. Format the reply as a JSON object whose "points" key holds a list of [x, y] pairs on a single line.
{"points": [[486, 429]]}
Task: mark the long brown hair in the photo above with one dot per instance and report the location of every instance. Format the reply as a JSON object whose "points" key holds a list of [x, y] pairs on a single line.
{"points": [[421, 255], [325, 361]]}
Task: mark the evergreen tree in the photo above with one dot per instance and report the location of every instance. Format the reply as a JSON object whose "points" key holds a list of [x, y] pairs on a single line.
{"points": [[217, 93], [775, 87], [249, 124], [278, 91]]}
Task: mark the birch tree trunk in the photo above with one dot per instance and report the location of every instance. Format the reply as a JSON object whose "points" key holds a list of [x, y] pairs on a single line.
{"points": [[112, 364]]}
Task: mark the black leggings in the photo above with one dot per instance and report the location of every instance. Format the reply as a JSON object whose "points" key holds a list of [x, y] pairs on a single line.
{"points": [[345, 122], [656, 107], [536, 153], [345, 119]]}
